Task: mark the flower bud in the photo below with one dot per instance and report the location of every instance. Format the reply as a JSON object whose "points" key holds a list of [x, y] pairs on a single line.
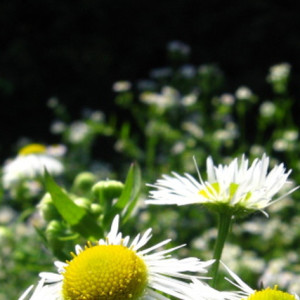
{"points": [[48, 209], [107, 190], [54, 231], [83, 202], [96, 209], [84, 182]]}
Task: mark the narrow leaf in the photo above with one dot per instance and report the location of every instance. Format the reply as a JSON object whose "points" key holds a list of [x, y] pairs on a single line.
{"points": [[128, 198], [71, 212]]}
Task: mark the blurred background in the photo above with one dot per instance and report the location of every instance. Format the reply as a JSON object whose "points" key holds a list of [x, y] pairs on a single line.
{"points": [[76, 50]]}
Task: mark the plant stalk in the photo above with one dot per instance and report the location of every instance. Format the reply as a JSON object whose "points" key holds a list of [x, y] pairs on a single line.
{"points": [[224, 223]]}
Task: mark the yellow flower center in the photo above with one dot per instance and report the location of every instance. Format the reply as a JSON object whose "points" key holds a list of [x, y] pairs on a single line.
{"points": [[271, 294], [214, 189], [108, 272], [32, 149]]}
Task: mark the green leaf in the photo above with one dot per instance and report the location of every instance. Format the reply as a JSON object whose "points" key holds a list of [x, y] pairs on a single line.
{"points": [[70, 212], [77, 217], [127, 201], [134, 195]]}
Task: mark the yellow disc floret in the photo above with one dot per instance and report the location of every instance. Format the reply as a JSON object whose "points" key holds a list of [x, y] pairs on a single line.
{"points": [[213, 190], [32, 149], [270, 294], [111, 272]]}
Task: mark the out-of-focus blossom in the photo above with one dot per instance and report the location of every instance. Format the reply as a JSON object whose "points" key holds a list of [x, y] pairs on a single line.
{"points": [[30, 163], [167, 98], [279, 72], [267, 109], [189, 99], [180, 47], [227, 99], [121, 86], [188, 71], [243, 93], [58, 127], [78, 132]]}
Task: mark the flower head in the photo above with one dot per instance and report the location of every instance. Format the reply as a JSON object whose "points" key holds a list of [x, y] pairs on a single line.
{"points": [[114, 268], [30, 163], [237, 187]]}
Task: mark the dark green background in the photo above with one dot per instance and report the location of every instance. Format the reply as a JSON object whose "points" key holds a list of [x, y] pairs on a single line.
{"points": [[75, 50]]}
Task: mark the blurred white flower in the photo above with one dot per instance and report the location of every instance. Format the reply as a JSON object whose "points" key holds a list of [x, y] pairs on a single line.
{"points": [[188, 71], [189, 99], [267, 109], [290, 135], [57, 150], [227, 99], [167, 98], [178, 148], [57, 127], [78, 132], [7, 214], [29, 164], [230, 132], [280, 145], [243, 93], [257, 150], [178, 46], [193, 129], [52, 102], [279, 72], [121, 86]]}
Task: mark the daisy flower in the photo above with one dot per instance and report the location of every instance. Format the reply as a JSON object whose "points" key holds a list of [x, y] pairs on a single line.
{"points": [[29, 164], [247, 293], [237, 186], [117, 269]]}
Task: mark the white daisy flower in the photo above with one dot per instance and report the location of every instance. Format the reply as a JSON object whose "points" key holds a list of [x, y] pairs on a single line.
{"points": [[247, 293], [236, 186], [29, 164], [116, 268]]}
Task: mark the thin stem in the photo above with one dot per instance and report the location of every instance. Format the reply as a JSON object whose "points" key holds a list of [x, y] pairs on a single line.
{"points": [[224, 222]]}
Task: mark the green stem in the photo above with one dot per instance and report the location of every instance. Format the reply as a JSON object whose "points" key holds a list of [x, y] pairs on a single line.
{"points": [[224, 222]]}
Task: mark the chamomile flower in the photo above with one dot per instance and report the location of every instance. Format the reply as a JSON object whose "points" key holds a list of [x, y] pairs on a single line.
{"points": [[247, 293], [116, 268], [30, 163], [237, 187]]}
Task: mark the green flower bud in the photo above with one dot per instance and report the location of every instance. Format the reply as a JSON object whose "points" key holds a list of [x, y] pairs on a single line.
{"points": [[107, 190], [83, 202], [48, 209], [54, 231], [84, 182], [96, 209]]}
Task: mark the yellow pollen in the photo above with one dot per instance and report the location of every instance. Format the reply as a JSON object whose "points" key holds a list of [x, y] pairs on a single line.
{"points": [[270, 294], [110, 272], [214, 189], [32, 149]]}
